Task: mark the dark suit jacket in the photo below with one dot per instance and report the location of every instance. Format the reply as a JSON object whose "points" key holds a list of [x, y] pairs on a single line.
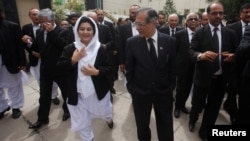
{"points": [[11, 46], [142, 75], [101, 81], [28, 30], [183, 61], [50, 51], [166, 29], [201, 42], [237, 27], [105, 36], [124, 31], [242, 53]]}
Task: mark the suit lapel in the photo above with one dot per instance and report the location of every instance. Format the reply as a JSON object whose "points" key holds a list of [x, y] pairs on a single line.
{"points": [[186, 36], [223, 39], [129, 29], [160, 46]]}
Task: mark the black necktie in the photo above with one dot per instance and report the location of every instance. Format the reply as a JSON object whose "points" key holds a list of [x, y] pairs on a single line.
{"points": [[191, 36], [216, 47], [152, 50], [172, 32]]}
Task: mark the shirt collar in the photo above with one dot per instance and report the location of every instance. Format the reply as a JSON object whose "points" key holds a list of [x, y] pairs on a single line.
{"points": [[189, 31], [155, 36], [243, 23], [212, 27]]}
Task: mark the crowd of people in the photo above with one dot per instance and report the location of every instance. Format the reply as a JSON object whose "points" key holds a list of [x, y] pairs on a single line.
{"points": [[158, 57]]}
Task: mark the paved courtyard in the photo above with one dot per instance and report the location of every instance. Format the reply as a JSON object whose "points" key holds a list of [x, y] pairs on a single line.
{"points": [[58, 130]]}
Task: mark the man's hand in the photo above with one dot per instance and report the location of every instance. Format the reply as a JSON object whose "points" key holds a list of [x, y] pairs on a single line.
{"points": [[228, 57], [26, 39], [208, 56], [36, 54]]}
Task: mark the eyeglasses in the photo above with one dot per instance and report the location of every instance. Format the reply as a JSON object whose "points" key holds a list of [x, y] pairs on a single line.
{"points": [[140, 23], [193, 19], [217, 13]]}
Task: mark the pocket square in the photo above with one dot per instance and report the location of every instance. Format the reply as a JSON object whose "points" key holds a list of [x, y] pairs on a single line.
{"points": [[161, 48]]}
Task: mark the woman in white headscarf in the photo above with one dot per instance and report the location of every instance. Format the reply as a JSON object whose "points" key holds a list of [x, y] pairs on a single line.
{"points": [[88, 67]]}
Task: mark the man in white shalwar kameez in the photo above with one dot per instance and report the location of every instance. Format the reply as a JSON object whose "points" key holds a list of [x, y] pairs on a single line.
{"points": [[12, 60]]}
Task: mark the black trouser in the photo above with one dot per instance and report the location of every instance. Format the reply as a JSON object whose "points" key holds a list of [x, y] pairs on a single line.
{"points": [[209, 98], [183, 86], [45, 95], [163, 107], [244, 101]]}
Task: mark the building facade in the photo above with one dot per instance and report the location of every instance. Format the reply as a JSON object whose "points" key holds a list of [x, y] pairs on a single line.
{"points": [[17, 10], [182, 6]]}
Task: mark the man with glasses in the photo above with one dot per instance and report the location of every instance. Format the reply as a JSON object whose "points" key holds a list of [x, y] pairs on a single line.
{"points": [[211, 48], [150, 73], [184, 66]]}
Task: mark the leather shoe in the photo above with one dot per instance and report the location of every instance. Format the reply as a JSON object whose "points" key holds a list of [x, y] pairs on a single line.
{"points": [[232, 113], [56, 101], [2, 113], [16, 113], [203, 138], [177, 112], [38, 124], [110, 124], [113, 91], [191, 126], [65, 116], [185, 110]]}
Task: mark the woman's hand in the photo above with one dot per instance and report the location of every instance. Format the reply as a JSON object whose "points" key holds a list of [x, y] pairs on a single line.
{"points": [[90, 70], [77, 55]]}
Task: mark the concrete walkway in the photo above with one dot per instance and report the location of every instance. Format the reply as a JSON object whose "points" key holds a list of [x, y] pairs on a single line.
{"points": [[58, 130]]}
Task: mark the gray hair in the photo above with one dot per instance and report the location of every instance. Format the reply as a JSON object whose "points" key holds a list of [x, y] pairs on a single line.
{"points": [[151, 13], [48, 13], [193, 13]]}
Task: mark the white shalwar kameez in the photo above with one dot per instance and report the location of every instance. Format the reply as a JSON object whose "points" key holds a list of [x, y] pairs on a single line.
{"points": [[12, 83], [87, 109], [88, 106]]}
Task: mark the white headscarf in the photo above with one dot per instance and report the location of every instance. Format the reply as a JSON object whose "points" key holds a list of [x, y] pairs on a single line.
{"points": [[85, 84]]}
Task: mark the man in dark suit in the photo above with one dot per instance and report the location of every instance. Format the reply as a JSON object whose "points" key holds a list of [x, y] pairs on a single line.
{"points": [[29, 32], [161, 22], [204, 19], [124, 32], [112, 50], [172, 28], [28, 35], [184, 66], [150, 73], [12, 61], [231, 105], [212, 49], [49, 44], [105, 38], [72, 18], [242, 54]]}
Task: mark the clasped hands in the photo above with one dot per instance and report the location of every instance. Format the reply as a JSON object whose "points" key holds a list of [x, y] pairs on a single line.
{"points": [[211, 56]]}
